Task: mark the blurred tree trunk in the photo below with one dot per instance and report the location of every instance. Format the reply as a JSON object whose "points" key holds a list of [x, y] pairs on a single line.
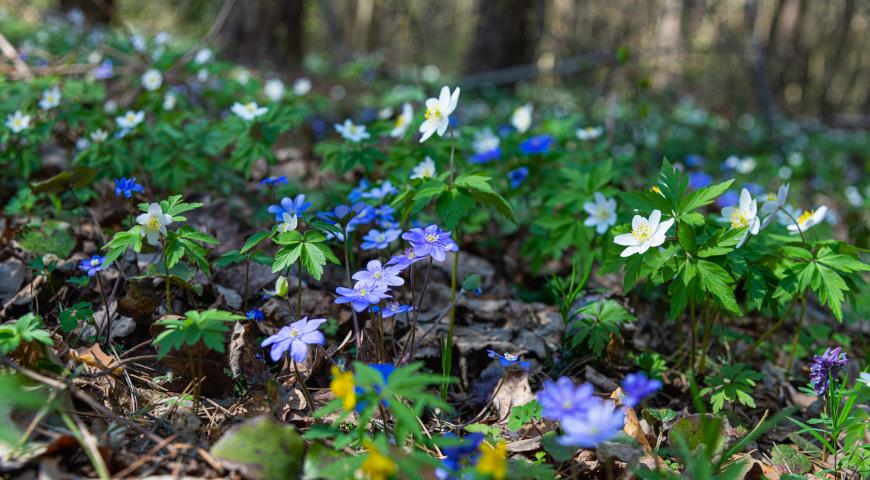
{"points": [[95, 11], [265, 31], [504, 36]]}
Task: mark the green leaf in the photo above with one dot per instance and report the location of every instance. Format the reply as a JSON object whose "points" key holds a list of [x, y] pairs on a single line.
{"points": [[313, 260], [523, 414], [286, 256], [78, 177], [716, 281], [702, 196], [452, 206]]}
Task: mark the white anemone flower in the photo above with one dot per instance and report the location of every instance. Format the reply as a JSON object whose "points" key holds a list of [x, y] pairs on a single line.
{"points": [[424, 169], [645, 233], [152, 79], [403, 121], [808, 220], [50, 98], [352, 132], [774, 203], [153, 223], [169, 101], [602, 213], [248, 111], [438, 112], [522, 118], [202, 56], [485, 141], [99, 135], [744, 215], [18, 122], [274, 89], [301, 87], [130, 119], [289, 222], [589, 133]]}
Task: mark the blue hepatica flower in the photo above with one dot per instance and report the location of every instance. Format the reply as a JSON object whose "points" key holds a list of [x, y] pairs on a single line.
{"points": [[127, 187], [254, 314], [378, 274], [486, 156], [294, 207], [600, 420], [92, 265], [405, 260], [296, 338], [458, 454], [393, 308], [508, 359], [636, 387], [274, 181], [561, 398], [379, 240], [431, 241], [357, 193], [728, 199], [517, 176], [362, 295], [342, 214], [694, 161], [385, 369], [826, 367], [700, 179], [381, 192], [103, 70], [537, 145]]}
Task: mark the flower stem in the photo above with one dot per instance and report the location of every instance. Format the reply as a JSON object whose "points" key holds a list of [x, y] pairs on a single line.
{"points": [[108, 313], [709, 319], [303, 387], [773, 329], [797, 335], [166, 281], [447, 356], [796, 224], [299, 289], [245, 288], [694, 333], [356, 332]]}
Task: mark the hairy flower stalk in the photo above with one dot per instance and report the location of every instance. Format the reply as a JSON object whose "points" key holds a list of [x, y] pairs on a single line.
{"points": [[447, 356]]}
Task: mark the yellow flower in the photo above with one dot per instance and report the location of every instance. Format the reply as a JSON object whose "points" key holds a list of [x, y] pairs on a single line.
{"points": [[493, 460], [342, 386], [655, 188], [377, 466]]}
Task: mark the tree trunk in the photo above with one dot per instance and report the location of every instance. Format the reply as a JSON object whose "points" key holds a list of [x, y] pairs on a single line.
{"points": [[265, 31], [505, 35]]}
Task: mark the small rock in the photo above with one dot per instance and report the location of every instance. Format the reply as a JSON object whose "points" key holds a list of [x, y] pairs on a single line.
{"points": [[11, 277], [231, 297]]}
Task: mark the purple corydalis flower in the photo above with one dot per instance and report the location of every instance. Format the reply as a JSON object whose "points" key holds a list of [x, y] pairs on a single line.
{"points": [[362, 295], [127, 186], [562, 398], [431, 241], [599, 421], [636, 387], [274, 181], [517, 176], [254, 314], [296, 338], [378, 240], [92, 265], [825, 367], [508, 359], [378, 274], [539, 144], [294, 207], [405, 260]]}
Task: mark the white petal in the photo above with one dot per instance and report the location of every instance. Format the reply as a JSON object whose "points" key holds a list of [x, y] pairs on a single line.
{"points": [[631, 251], [625, 239], [444, 99], [654, 219]]}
